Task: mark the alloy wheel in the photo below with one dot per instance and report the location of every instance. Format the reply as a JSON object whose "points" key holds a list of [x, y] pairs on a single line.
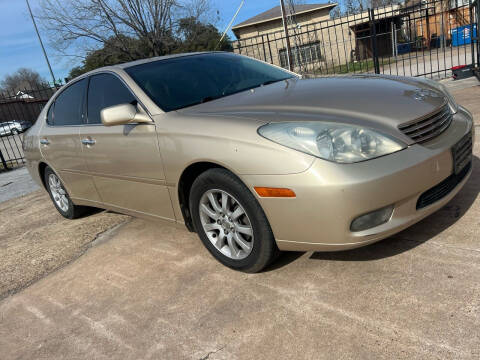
{"points": [[226, 224], [58, 192]]}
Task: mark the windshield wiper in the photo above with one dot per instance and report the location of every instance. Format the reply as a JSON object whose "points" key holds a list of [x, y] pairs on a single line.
{"points": [[270, 82], [204, 100], [274, 81], [209, 98]]}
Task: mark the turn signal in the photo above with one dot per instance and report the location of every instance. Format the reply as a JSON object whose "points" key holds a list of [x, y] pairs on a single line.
{"points": [[274, 192]]}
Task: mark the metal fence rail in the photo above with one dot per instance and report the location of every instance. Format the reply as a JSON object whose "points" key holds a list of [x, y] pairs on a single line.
{"points": [[425, 39], [18, 111], [475, 16]]}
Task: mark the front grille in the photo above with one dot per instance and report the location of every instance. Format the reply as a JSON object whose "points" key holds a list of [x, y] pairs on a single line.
{"points": [[443, 189], [427, 128]]}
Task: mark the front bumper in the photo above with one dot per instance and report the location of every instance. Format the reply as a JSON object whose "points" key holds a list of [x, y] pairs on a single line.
{"points": [[330, 196]]}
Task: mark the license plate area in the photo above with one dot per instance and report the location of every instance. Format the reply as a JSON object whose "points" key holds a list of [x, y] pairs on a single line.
{"points": [[462, 153]]}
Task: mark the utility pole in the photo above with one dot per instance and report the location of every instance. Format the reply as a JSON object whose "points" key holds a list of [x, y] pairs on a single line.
{"points": [[41, 43], [230, 23], [285, 30]]}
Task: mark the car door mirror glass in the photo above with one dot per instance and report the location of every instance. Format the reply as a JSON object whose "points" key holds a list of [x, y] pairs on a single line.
{"points": [[123, 114]]}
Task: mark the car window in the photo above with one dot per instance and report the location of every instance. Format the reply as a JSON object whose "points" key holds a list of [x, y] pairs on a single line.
{"points": [[69, 105], [105, 90], [188, 80]]}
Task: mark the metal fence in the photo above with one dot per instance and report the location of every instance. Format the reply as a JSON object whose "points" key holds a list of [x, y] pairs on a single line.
{"points": [[18, 111], [427, 38]]}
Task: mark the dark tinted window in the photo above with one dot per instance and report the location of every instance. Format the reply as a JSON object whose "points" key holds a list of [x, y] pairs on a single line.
{"points": [[106, 90], [184, 81], [69, 105]]}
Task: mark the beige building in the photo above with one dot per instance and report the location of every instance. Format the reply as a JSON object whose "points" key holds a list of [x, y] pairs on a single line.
{"points": [[318, 41], [271, 20], [262, 36]]}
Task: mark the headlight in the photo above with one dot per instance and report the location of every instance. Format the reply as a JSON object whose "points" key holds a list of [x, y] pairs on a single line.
{"points": [[442, 88], [330, 141]]}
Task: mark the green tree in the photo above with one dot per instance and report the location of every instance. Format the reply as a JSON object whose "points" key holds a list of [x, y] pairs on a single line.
{"points": [[196, 36], [117, 50]]}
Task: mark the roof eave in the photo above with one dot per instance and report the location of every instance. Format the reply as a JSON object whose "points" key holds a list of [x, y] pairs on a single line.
{"points": [[326, 6]]}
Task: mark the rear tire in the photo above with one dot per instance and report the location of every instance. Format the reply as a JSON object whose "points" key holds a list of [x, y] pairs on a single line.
{"points": [[230, 222], [60, 197], [14, 132]]}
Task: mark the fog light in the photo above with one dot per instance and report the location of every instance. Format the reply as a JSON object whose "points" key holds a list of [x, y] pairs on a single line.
{"points": [[372, 219]]}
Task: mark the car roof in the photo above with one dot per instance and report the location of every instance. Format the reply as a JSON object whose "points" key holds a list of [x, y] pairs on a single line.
{"points": [[123, 66], [165, 57], [144, 61]]}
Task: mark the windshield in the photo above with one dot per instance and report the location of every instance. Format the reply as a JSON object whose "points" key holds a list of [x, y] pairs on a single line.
{"points": [[185, 81]]}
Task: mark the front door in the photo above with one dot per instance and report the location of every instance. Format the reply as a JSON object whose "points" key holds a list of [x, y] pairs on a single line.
{"points": [[60, 143], [124, 160]]}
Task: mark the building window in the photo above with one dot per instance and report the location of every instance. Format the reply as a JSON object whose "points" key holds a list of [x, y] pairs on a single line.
{"points": [[458, 3], [305, 54]]}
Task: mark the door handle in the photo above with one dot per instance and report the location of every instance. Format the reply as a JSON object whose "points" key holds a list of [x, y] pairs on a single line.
{"points": [[88, 142], [44, 142]]}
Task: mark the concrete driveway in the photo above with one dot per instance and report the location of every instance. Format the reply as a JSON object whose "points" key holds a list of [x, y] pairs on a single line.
{"points": [[436, 61], [150, 291]]}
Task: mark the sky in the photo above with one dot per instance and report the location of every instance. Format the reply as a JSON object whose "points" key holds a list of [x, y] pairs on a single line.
{"points": [[19, 46]]}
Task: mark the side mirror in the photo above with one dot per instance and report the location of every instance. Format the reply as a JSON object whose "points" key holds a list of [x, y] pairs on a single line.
{"points": [[123, 114]]}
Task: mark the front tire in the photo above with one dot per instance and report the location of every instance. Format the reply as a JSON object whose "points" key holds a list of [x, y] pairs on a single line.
{"points": [[60, 197], [230, 222], [14, 132]]}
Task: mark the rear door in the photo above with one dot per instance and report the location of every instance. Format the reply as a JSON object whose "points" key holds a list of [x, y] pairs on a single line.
{"points": [[60, 142], [124, 160]]}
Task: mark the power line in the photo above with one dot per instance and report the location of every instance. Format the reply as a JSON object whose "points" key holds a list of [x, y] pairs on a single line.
{"points": [[41, 43], [287, 39], [230, 24], [298, 37]]}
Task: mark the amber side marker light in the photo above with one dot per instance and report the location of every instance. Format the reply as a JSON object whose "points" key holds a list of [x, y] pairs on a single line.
{"points": [[274, 192]]}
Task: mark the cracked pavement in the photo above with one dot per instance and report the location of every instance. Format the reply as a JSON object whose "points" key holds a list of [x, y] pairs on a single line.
{"points": [[151, 291]]}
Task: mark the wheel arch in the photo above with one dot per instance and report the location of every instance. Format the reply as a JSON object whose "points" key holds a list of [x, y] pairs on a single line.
{"points": [[185, 182], [41, 171]]}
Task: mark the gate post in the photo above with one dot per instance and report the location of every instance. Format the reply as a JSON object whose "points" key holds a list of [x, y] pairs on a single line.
{"points": [[4, 163], [477, 38], [472, 28], [373, 38]]}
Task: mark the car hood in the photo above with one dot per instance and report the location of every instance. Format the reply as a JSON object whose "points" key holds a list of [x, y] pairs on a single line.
{"points": [[380, 102]]}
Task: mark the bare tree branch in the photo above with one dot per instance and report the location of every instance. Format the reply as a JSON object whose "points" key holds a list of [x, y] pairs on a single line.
{"points": [[71, 23]]}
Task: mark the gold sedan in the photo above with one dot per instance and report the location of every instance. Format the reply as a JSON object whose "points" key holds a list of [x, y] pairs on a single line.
{"points": [[253, 158]]}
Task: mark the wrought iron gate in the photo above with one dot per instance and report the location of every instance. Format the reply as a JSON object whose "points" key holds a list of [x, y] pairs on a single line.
{"points": [[427, 38]]}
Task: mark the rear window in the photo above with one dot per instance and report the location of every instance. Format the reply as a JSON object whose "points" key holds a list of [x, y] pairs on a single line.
{"points": [[68, 108]]}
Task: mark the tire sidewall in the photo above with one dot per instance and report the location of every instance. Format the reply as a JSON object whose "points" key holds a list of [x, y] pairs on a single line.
{"points": [[69, 214], [263, 237]]}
